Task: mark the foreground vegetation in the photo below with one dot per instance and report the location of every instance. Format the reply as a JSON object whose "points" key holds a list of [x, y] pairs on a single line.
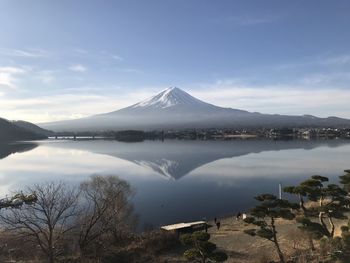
{"points": [[95, 222], [320, 204], [92, 223]]}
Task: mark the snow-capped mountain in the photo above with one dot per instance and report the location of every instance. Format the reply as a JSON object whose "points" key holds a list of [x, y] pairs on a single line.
{"points": [[171, 97], [172, 101], [174, 108]]}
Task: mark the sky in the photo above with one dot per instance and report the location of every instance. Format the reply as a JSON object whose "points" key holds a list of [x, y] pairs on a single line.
{"points": [[66, 59]]}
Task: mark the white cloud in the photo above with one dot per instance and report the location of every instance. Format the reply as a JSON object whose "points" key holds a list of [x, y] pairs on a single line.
{"points": [[320, 80], [45, 76], [65, 106], [116, 57], [6, 80], [12, 70], [324, 61], [130, 70], [8, 76], [27, 53], [279, 99], [78, 68], [80, 51], [337, 60]]}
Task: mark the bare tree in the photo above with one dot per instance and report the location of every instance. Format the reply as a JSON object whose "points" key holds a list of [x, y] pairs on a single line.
{"points": [[108, 213], [48, 222]]}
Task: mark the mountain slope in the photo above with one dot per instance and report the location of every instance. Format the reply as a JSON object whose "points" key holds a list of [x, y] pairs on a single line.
{"points": [[33, 128], [173, 108], [9, 131], [173, 101]]}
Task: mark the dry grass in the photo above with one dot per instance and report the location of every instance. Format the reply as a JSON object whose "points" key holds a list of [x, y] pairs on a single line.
{"points": [[243, 248]]}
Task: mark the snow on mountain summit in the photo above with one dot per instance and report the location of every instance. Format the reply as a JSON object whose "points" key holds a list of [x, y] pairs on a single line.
{"points": [[171, 101], [169, 98]]}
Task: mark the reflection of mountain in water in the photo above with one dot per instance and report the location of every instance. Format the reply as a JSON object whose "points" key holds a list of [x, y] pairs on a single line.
{"points": [[174, 159], [8, 149]]}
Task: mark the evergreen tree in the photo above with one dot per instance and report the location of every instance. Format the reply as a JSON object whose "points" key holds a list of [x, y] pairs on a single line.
{"points": [[202, 250], [264, 216], [329, 202], [345, 180]]}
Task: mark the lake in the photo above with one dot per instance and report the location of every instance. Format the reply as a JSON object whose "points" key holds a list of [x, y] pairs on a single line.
{"points": [[176, 181]]}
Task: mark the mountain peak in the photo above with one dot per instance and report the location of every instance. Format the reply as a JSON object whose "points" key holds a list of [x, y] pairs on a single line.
{"points": [[168, 98], [172, 89]]}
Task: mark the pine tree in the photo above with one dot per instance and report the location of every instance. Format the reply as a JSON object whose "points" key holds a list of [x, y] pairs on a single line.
{"points": [[202, 250], [345, 180], [331, 203], [264, 216]]}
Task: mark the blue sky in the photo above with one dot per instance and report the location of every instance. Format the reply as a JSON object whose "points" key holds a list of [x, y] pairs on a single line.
{"points": [[64, 59]]}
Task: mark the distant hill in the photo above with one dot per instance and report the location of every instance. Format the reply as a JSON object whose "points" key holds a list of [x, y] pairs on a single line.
{"points": [[173, 108], [33, 128], [10, 131]]}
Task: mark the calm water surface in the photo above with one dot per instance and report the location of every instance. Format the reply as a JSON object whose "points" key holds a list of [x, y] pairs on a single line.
{"points": [[176, 181]]}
